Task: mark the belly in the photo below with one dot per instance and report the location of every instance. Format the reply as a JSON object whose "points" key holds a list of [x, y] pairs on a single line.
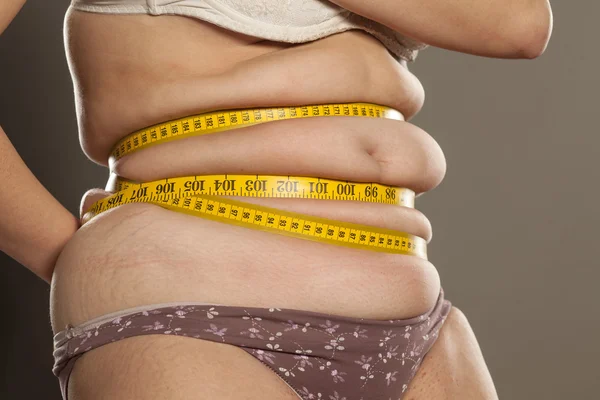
{"points": [[134, 71]]}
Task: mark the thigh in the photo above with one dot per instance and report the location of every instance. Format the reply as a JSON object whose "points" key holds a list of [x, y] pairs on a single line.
{"points": [[454, 368], [174, 368]]}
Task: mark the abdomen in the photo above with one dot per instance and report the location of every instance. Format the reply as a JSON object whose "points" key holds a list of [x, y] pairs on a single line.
{"points": [[134, 71]]}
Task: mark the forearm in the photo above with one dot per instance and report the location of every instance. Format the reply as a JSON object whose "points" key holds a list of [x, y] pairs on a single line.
{"points": [[8, 10], [494, 28], [34, 226]]}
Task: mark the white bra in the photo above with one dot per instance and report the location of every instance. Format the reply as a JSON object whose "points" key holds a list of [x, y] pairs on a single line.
{"points": [[291, 21]]}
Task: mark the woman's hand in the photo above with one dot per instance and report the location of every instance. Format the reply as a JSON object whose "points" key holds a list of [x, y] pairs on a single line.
{"points": [[88, 199], [34, 226]]}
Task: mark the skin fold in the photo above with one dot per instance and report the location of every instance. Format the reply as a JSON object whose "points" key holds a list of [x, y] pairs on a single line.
{"points": [[152, 69]]}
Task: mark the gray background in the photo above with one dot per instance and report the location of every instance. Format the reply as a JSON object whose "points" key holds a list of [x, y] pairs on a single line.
{"points": [[515, 220]]}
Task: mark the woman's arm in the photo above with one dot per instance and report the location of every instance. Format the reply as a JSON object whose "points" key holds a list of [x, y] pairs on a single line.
{"points": [[8, 10], [493, 28], [34, 227]]}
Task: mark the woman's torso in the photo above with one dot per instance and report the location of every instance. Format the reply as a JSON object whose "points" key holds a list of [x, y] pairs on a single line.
{"points": [[134, 71]]}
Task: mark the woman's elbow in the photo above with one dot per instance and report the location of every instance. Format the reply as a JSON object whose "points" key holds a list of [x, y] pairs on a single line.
{"points": [[530, 31]]}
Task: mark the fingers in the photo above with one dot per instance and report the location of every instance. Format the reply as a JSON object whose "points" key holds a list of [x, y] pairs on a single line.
{"points": [[88, 199]]}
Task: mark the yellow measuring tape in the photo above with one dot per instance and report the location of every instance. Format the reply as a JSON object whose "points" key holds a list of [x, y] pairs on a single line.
{"points": [[200, 195], [218, 121], [298, 187]]}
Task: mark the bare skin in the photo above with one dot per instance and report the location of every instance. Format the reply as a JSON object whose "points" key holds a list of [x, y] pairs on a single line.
{"points": [[134, 71], [209, 262]]}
